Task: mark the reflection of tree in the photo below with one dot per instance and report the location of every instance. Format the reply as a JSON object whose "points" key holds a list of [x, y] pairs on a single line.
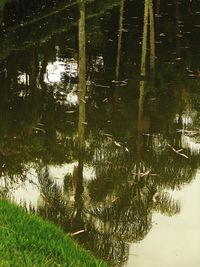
{"points": [[110, 224], [173, 169], [119, 45], [178, 35], [119, 214], [148, 18], [30, 135], [82, 74], [166, 205], [116, 207], [132, 164]]}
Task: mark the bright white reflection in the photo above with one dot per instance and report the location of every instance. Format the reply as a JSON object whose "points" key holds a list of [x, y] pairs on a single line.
{"points": [[98, 63], [29, 191], [57, 70], [189, 142], [23, 78], [176, 239]]}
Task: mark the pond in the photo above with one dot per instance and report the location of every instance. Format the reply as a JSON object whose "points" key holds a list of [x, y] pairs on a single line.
{"points": [[100, 124]]}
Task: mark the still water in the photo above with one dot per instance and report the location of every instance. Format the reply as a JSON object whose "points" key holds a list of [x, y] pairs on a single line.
{"points": [[100, 125]]}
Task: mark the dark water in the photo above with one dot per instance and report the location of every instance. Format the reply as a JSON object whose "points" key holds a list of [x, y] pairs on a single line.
{"points": [[118, 168]]}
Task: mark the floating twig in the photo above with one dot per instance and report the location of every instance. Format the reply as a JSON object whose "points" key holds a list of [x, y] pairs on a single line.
{"points": [[145, 173], [100, 85], [78, 232], [142, 174], [178, 152], [108, 135], [120, 83]]}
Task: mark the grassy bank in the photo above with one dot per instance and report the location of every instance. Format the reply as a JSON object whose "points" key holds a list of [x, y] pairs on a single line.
{"points": [[27, 240]]}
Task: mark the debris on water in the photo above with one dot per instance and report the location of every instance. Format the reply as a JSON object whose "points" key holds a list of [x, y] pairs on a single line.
{"points": [[188, 132], [125, 30], [37, 129], [143, 174], [148, 134], [126, 149], [178, 152], [178, 58], [117, 144], [70, 122], [106, 134], [115, 199], [120, 83], [100, 85], [193, 73], [78, 232], [70, 111], [155, 197]]}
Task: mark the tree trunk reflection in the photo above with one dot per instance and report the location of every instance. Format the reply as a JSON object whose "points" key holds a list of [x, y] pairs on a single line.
{"points": [[82, 75], [148, 19], [119, 45]]}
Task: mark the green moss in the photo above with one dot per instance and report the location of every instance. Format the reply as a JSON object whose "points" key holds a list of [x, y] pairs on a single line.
{"points": [[27, 240]]}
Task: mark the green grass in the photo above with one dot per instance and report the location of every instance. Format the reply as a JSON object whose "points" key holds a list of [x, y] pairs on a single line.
{"points": [[27, 240]]}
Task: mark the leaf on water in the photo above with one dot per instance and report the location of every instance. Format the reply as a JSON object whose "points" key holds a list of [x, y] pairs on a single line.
{"points": [[85, 123], [83, 100], [70, 111], [105, 100], [117, 144], [126, 149]]}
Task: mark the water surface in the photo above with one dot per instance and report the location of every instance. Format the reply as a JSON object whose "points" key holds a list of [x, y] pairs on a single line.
{"points": [[104, 141]]}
